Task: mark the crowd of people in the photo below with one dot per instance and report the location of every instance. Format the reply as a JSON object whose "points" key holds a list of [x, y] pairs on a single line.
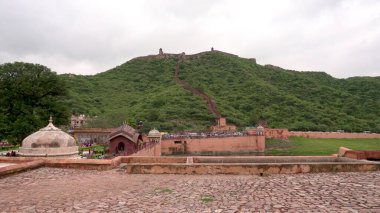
{"points": [[11, 154]]}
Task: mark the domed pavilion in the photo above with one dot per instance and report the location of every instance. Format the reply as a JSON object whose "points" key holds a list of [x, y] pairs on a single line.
{"points": [[154, 136], [49, 142]]}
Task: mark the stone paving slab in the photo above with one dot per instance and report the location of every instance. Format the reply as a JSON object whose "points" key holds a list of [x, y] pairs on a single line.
{"points": [[70, 190]]}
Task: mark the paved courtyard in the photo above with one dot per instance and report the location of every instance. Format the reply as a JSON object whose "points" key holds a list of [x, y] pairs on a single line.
{"points": [[69, 190]]}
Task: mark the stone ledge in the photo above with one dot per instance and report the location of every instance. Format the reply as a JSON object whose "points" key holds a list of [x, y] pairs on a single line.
{"points": [[201, 165], [27, 163], [8, 170], [363, 154], [248, 169]]}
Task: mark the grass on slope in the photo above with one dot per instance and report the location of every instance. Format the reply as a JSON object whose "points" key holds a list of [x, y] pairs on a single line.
{"points": [[245, 93], [317, 146], [141, 89], [310, 101]]}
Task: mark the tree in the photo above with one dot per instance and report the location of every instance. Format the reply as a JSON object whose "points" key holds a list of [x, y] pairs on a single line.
{"points": [[29, 94]]}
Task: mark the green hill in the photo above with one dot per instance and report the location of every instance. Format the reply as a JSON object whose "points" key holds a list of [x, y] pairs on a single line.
{"points": [[244, 92]]}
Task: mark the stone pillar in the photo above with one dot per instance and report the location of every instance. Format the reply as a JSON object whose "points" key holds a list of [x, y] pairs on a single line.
{"points": [[154, 137], [160, 52], [222, 122], [261, 143], [157, 149]]}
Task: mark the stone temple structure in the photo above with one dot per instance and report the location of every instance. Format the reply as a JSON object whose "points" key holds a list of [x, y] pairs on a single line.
{"points": [[49, 142]]}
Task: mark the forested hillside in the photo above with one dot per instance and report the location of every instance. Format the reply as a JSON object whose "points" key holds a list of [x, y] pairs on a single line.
{"points": [[244, 92]]}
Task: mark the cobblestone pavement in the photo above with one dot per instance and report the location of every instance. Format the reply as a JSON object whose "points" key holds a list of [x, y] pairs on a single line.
{"points": [[70, 190]]}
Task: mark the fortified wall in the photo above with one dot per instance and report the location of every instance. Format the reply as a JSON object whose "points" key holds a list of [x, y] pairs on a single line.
{"points": [[333, 135], [213, 145], [285, 134], [276, 133]]}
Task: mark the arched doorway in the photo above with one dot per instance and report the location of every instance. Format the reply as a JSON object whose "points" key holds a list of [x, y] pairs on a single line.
{"points": [[120, 148]]}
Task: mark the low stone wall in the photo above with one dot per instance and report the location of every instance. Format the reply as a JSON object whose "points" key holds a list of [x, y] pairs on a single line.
{"points": [[27, 163], [276, 133], [20, 167], [213, 145], [200, 165], [50, 152], [272, 159], [127, 159], [285, 134], [333, 135], [363, 155], [249, 169], [154, 150], [90, 164]]}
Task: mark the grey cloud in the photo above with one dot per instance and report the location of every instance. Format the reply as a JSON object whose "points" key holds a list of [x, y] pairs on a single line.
{"points": [[339, 37]]}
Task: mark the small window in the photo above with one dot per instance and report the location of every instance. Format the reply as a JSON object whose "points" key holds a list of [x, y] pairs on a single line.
{"points": [[177, 142]]}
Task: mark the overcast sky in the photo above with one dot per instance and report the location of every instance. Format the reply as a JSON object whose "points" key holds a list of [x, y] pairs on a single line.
{"points": [[340, 37]]}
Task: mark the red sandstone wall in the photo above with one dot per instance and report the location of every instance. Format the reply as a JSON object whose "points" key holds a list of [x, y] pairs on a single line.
{"points": [[284, 134], [212, 145], [276, 133], [332, 135], [154, 150], [363, 155]]}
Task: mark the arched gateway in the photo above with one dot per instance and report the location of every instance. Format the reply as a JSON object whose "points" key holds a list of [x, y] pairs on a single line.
{"points": [[124, 140]]}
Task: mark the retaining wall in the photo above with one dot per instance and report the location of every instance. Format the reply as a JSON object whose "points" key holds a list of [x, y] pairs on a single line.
{"points": [[201, 165], [154, 150], [249, 169], [213, 145], [285, 134], [333, 135], [27, 163]]}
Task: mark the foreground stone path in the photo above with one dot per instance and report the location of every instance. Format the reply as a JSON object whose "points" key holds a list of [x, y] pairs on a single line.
{"points": [[69, 190]]}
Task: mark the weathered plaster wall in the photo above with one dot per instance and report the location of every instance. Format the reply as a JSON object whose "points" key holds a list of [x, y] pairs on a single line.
{"points": [[154, 150], [249, 169], [285, 134], [333, 135], [215, 145], [276, 133]]}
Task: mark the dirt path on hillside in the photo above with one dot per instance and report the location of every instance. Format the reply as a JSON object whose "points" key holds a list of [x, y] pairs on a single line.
{"points": [[211, 104]]}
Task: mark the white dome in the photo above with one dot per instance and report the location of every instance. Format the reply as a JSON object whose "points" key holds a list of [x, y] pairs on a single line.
{"points": [[154, 133], [49, 141]]}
